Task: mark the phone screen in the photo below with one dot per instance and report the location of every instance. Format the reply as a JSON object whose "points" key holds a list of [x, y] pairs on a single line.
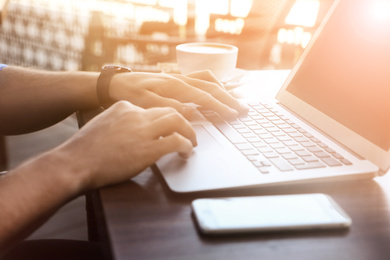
{"points": [[267, 213]]}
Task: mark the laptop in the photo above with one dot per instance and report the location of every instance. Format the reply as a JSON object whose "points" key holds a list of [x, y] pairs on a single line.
{"points": [[329, 121]]}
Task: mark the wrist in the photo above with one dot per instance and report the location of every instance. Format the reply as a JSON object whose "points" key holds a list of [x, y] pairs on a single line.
{"points": [[104, 81], [57, 169]]}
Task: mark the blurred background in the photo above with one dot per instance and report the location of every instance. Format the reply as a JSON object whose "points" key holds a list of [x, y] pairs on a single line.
{"points": [[85, 34]]}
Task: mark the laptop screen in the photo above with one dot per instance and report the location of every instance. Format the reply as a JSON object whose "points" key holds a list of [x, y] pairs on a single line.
{"points": [[346, 74]]}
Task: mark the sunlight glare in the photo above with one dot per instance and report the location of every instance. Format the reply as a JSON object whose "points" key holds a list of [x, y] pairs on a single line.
{"points": [[303, 13], [381, 10]]}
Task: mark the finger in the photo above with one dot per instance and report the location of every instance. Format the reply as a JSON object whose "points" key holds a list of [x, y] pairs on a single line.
{"points": [[171, 122], [206, 75], [153, 100], [187, 93], [216, 91], [124, 105], [150, 99], [174, 143]]}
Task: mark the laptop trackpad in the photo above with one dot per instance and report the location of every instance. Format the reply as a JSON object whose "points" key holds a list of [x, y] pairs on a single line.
{"points": [[211, 165]]}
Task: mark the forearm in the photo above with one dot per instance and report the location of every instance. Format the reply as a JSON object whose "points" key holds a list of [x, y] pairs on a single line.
{"points": [[30, 193], [31, 100]]}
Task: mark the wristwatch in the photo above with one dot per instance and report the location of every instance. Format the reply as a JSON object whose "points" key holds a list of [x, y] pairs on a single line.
{"points": [[103, 83]]}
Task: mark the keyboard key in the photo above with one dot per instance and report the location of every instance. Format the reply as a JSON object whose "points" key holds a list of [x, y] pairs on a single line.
{"points": [[249, 123], [322, 145], [301, 130], [266, 136], [310, 159], [295, 134], [301, 139], [267, 125], [278, 146], [250, 152], [254, 139], [235, 122], [264, 170], [331, 162], [290, 143], [257, 117], [272, 140], [259, 144], [338, 156], [265, 149], [273, 129], [345, 161], [297, 161], [265, 163], [330, 150], [278, 122], [267, 114], [284, 138], [284, 126], [308, 135], [289, 130], [296, 148], [245, 119], [239, 126], [279, 133], [314, 149], [270, 155], [281, 164], [283, 150], [257, 128], [290, 156], [252, 158], [243, 130], [249, 135], [244, 146], [303, 153], [315, 140], [257, 164], [227, 130], [312, 165], [307, 144], [321, 154]]}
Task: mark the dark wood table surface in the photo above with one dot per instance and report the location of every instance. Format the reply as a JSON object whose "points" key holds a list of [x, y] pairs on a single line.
{"points": [[143, 219]]}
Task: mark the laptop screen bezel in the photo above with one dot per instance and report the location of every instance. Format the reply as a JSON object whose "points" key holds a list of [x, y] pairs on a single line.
{"points": [[329, 126]]}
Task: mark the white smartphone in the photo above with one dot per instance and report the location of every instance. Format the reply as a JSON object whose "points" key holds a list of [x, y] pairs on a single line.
{"points": [[269, 213]]}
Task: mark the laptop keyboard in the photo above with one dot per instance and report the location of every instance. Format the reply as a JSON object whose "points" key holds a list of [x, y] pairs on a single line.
{"points": [[266, 137]]}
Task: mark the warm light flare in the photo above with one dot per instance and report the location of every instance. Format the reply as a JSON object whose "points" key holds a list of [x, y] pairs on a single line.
{"points": [[303, 13], [380, 9]]}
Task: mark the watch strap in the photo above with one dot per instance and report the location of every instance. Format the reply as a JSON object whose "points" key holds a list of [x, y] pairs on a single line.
{"points": [[103, 84], [102, 88]]}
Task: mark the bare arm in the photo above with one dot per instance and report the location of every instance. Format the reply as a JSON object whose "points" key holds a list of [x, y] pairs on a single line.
{"points": [[31, 99]]}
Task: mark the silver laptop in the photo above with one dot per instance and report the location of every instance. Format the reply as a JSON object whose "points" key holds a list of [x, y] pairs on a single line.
{"points": [[330, 119]]}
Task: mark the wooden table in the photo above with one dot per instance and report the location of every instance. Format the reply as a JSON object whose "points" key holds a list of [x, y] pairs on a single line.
{"points": [[143, 219]]}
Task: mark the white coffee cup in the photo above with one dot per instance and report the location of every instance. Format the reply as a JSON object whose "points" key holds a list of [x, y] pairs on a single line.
{"points": [[219, 58]]}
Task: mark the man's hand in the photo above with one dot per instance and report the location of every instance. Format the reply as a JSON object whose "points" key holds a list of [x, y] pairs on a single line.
{"points": [[126, 139], [162, 90]]}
